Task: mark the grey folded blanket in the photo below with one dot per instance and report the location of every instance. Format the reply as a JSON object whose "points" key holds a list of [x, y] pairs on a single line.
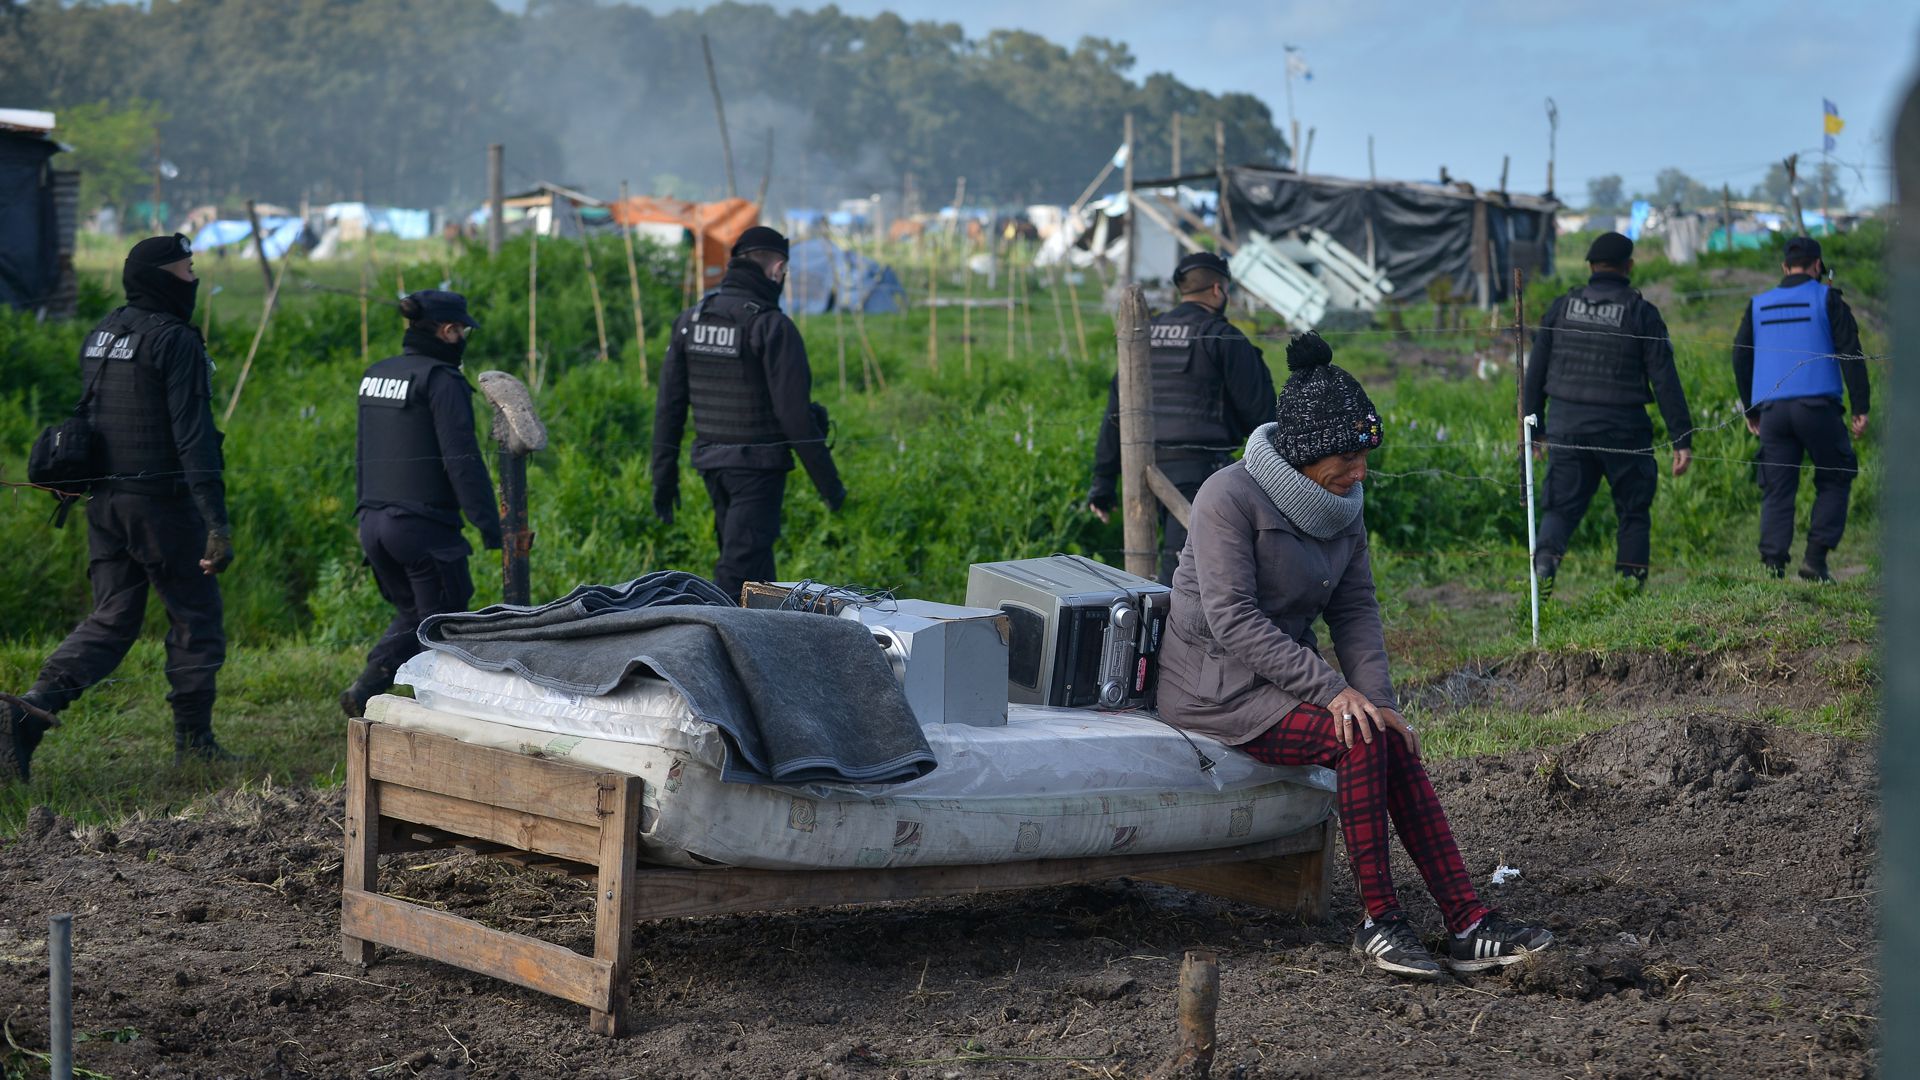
{"points": [[799, 698]]}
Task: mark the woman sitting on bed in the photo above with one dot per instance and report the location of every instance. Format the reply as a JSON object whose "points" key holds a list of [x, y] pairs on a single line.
{"points": [[1276, 541]]}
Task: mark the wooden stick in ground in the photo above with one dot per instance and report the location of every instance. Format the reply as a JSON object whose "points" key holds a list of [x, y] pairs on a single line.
{"points": [[593, 281], [1059, 313], [533, 307], [1079, 325], [836, 298], [206, 317], [260, 245], [870, 372], [1008, 255], [266, 313], [1136, 431], [1198, 997], [633, 280], [966, 306], [933, 311], [1025, 272]]}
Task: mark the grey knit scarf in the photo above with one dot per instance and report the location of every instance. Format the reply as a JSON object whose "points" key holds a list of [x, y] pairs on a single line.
{"points": [[1313, 509]]}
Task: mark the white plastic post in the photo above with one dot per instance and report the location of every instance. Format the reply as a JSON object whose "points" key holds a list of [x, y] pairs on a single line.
{"points": [[1533, 540]]}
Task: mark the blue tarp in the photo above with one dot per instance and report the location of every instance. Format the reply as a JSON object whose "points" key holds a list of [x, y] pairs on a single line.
{"points": [[281, 234], [822, 277]]}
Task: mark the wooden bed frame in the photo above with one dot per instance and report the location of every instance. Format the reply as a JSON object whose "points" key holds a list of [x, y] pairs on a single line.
{"points": [[413, 791]]}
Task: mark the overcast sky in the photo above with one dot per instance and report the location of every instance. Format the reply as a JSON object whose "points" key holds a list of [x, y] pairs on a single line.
{"points": [[1717, 87]]}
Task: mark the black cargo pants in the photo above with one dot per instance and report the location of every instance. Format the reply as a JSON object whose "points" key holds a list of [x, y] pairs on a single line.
{"points": [[421, 569], [1187, 475], [1573, 476], [136, 542], [746, 522], [1791, 431]]}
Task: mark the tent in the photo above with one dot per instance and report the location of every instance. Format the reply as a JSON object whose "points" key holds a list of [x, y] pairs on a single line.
{"points": [[37, 217], [822, 278], [718, 224], [278, 234], [1418, 233]]}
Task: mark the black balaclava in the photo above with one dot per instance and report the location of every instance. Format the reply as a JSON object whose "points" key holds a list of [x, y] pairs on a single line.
{"points": [[151, 288], [746, 274], [422, 338]]}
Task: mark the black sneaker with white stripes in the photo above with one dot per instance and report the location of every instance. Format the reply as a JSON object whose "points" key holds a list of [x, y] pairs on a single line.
{"points": [[1391, 945], [1496, 942]]}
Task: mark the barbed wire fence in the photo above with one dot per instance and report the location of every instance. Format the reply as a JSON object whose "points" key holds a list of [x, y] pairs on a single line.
{"points": [[1516, 335]]}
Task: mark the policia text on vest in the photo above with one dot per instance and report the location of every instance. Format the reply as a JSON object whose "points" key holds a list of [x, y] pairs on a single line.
{"points": [[1211, 389], [1797, 350], [157, 515], [741, 365], [418, 467]]}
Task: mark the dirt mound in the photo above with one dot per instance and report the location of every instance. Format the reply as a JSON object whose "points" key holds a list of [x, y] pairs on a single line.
{"points": [[1737, 682], [1711, 886]]}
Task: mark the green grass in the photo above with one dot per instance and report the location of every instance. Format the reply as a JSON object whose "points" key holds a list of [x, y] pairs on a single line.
{"points": [[112, 754], [985, 458]]}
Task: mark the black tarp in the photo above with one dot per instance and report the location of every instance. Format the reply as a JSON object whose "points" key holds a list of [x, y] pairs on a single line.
{"points": [[1421, 232], [29, 226]]}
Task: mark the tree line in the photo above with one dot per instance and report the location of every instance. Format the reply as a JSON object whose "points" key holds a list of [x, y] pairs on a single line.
{"points": [[1673, 187], [396, 100]]}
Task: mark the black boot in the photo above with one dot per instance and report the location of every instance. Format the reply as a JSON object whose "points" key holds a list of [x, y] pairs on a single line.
{"points": [[22, 725], [1814, 566], [1545, 566], [197, 744], [1632, 578], [1775, 570], [372, 682]]}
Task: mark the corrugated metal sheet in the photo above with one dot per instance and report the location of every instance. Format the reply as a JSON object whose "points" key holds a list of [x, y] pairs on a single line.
{"points": [[65, 298]]}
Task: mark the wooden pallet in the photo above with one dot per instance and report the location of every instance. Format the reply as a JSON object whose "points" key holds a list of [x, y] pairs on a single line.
{"points": [[414, 791]]}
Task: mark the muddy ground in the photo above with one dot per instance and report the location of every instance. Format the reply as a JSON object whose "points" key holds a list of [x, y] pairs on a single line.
{"points": [[1712, 885]]}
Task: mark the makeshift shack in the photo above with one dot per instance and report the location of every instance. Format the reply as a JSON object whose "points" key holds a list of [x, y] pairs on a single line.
{"points": [[676, 222], [822, 277], [38, 216], [1418, 233]]}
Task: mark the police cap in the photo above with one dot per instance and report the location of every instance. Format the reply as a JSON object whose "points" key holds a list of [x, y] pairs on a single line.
{"points": [[160, 251], [1610, 247], [1201, 260], [1801, 250], [760, 238], [441, 306]]}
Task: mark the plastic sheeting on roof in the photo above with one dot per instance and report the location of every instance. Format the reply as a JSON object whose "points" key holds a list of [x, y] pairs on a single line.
{"points": [[822, 278]]}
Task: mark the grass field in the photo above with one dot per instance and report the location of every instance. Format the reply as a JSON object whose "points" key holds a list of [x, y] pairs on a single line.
{"points": [[984, 458]]}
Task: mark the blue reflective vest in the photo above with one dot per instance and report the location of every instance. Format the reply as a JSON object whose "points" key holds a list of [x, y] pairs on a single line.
{"points": [[1793, 344]]}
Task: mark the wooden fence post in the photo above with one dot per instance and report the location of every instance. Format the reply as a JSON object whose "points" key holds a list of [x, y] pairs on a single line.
{"points": [[633, 280], [1136, 431]]}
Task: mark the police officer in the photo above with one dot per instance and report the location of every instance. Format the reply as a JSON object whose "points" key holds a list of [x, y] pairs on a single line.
{"points": [[1601, 355], [159, 518], [1797, 345], [419, 466], [1211, 389], [740, 363]]}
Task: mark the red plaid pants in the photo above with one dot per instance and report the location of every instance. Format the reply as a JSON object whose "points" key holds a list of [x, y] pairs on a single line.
{"points": [[1378, 780]]}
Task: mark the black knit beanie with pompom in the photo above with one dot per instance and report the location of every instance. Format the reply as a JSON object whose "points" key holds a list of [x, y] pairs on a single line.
{"points": [[1322, 409]]}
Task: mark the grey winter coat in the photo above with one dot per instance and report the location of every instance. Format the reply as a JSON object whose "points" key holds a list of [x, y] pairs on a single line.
{"points": [[1240, 652]]}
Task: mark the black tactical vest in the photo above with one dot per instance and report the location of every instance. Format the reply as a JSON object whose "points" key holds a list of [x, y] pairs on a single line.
{"points": [[1596, 358], [726, 381], [132, 429], [399, 462], [1189, 409]]}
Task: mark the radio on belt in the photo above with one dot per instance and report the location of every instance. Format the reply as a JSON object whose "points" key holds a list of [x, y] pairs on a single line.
{"points": [[1082, 633]]}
